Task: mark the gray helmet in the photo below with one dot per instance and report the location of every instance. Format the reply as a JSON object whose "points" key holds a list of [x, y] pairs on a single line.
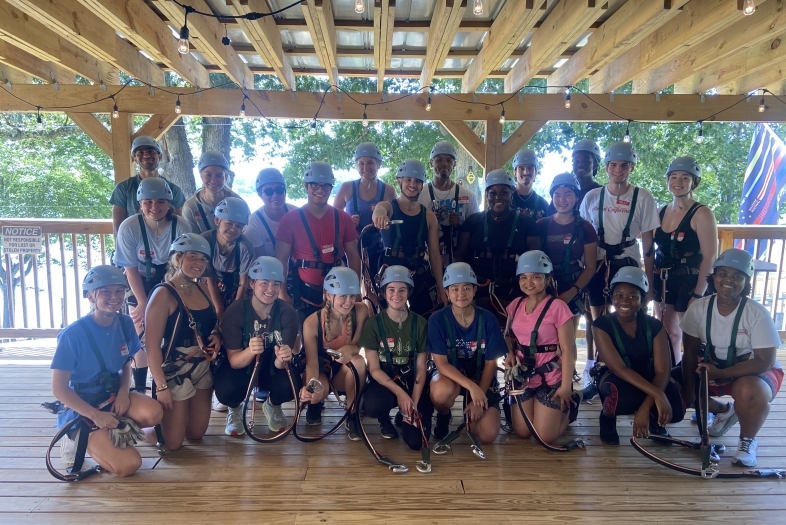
{"points": [[103, 275], [621, 151], [443, 148], [631, 275], [153, 188], [396, 274], [270, 175], [687, 164], [412, 168], [146, 142], [564, 180], [212, 158], [589, 146], [525, 157], [342, 281], [190, 242], [368, 149], [499, 176], [266, 267], [534, 261], [233, 209], [458, 273], [319, 172], [737, 259]]}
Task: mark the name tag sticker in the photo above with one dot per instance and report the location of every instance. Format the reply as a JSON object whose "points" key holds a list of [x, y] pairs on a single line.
{"points": [[621, 202], [566, 239], [327, 249], [464, 198], [124, 350], [680, 236], [391, 343]]}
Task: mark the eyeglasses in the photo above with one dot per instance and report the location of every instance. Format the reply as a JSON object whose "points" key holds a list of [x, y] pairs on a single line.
{"points": [[314, 186], [141, 152], [278, 190]]}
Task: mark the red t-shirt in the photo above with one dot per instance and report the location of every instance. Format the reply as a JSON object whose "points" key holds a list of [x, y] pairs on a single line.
{"points": [[292, 232]]}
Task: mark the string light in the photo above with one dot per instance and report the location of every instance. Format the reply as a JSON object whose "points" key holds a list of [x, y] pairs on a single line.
{"points": [[748, 7], [365, 117], [567, 97], [626, 138], [477, 10], [502, 116], [243, 106], [225, 40], [314, 127], [702, 98], [115, 112], [183, 46], [177, 105], [657, 96], [360, 6], [428, 103], [38, 115], [700, 136], [762, 107]]}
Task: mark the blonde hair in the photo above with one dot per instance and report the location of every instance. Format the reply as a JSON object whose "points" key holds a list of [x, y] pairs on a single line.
{"points": [[175, 260], [327, 308]]}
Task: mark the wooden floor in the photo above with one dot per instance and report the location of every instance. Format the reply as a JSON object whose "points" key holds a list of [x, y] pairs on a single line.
{"points": [[225, 480]]}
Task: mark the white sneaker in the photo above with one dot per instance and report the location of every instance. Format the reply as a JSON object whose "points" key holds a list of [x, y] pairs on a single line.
{"points": [[587, 379], [723, 421], [275, 417], [235, 421], [68, 449], [710, 419], [218, 406], [746, 453]]}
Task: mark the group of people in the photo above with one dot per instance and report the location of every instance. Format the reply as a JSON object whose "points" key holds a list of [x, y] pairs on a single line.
{"points": [[455, 291]]}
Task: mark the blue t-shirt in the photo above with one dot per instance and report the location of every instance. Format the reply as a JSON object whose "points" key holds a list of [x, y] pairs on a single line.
{"points": [[74, 354], [493, 345]]}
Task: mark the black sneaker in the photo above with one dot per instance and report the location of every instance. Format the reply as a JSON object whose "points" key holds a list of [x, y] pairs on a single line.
{"points": [[386, 428], [352, 428], [657, 430], [399, 420], [608, 430], [442, 428], [314, 414]]}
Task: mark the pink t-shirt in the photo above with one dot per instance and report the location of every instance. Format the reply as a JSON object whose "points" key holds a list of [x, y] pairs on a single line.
{"points": [[523, 323]]}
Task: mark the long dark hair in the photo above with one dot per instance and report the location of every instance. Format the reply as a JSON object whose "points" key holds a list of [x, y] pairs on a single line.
{"points": [[746, 290]]}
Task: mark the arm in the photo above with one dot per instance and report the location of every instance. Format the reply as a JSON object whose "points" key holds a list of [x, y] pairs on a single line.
{"points": [[342, 196], [662, 364], [381, 215], [707, 231], [649, 263], [310, 344], [451, 372], [215, 296], [119, 214], [567, 343], [160, 307], [609, 355], [179, 211], [462, 250], [242, 287], [353, 257], [71, 399], [435, 255], [390, 193], [122, 402], [420, 378], [283, 251], [138, 288]]}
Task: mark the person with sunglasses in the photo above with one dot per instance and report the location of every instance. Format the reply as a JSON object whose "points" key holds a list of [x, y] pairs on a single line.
{"points": [[263, 223], [199, 210]]}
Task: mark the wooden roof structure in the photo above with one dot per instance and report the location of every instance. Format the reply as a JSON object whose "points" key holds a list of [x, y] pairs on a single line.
{"points": [[708, 50]]}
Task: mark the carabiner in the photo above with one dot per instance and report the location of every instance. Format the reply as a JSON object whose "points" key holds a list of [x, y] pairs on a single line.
{"points": [[709, 473], [399, 469], [478, 452], [441, 448], [423, 467]]}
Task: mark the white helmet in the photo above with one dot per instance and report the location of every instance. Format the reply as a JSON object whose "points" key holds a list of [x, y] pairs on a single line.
{"points": [[631, 275], [458, 273], [191, 242], [103, 275], [534, 261], [233, 209], [342, 281], [396, 274], [266, 267]]}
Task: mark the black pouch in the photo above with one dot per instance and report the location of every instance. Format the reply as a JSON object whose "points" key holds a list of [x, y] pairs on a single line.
{"points": [[111, 382]]}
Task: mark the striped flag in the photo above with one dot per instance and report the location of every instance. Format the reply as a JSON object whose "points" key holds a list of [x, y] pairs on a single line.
{"points": [[765, 178]]}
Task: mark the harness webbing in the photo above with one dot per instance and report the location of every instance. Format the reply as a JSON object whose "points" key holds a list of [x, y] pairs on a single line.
{"points": [[576, 236], [386, 345], [275, 324], [481, 344], [182, 308], [235, 252], [616, 249], [315, 248], [731, 353], [146, 242], [267, 226], [320, 335], [510, 235], [616, 327], [202, 213], [433, 197], [419, 238], [532, 349], [674, 255], [105, 373]]}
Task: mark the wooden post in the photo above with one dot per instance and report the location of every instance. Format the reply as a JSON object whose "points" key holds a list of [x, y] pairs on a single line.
{"points": [[494, 157], [121, 146]]}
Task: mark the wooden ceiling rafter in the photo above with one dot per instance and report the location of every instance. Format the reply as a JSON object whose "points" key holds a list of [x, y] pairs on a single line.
{"points": [[384, 18], [319, 18], [27, 64], [445, 21]]}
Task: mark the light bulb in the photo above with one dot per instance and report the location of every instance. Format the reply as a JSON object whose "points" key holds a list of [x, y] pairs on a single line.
{"points": [[177, 106], [477, 10], [657, 96], [700, 136], [761, 105], [314, 127], [626, 138], [182, 46], [748, 7], [567, 100], [365, 120], [38, 116], [115, 112], [428, 103], [502, 117], [243, 109], [360, 6]]}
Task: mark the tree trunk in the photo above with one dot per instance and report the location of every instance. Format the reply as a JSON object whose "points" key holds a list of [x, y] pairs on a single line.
{"points": [[178, 163], [217, 136], [465, 163]]}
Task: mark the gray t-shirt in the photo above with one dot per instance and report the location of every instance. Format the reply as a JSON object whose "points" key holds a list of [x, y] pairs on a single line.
{"points": [[226, 263], [259, 235], [198, 221], [124, 195], [235, 318], [130, 249]]}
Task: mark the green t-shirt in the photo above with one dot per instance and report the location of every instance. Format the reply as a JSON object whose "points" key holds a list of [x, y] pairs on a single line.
{"points": [[399, 339]]}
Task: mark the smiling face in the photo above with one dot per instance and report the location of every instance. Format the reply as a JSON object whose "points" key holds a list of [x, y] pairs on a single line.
{"points": [[213, 178], [583, 164], [729, 282], [564, 200], [108, 299], [154, 209], [318, 194], [229, 230], [680, 183], [265, 291], [367, 167], [525, 175], [410, 187], [532, 283], [626, 299], [273, 195], [396, 295], [461, 294], [619, 170], [499, 198], [146, 158], [193, 264], [443, 165], [342, 304]]}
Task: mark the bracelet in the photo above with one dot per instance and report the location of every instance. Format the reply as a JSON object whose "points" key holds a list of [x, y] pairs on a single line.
{"points": [[161, 388], [696, 296], [578, 290], [216, 332]]}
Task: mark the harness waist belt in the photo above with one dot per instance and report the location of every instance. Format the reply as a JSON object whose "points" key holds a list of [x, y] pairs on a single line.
{"points": [[390, 252], [490, 255], [90, 384], [616, 249], [315, 265], [679, 270]]}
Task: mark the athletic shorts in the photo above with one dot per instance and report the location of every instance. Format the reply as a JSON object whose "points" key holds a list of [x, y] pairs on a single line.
{"points": [[772, 377], [678, 290], [492, 397], [597, 285]]}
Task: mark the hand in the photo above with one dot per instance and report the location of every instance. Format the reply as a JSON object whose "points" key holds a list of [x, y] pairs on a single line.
{"points": [[122, 403], [664, 409], [478, 396], [648, 298], [510, 360], [356, 220], [345, 358], [165, 398], [641, 423], [405, 403], [305, 395], [104, 419], [454, 219], [256, 345], [214, 342], [284, 353], [442, 296], [563, 395], [380, 221], [475, 412], [713, 372], [138, 313]]}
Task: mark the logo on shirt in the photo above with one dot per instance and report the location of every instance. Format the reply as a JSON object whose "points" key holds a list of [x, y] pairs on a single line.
{"points": [[742, 331], [142, 253], [124, 350]]}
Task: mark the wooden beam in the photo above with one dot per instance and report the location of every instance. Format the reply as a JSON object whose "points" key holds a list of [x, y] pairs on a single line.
{"points": [[384, 18], [494, 159], [445, 22], [157, 125], [514, 21], [699, 20], [94, 129], [23, 61], [319, 17], [122, 127], [145, 29], [760, 79], [520, 137], [265, 37], [562, 28], [75, 23], [13, 75], [625, 28], [468, 139]]}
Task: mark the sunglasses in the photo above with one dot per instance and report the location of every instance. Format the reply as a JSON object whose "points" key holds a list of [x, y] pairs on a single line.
{"points": [[314, 186], [278, 190]]}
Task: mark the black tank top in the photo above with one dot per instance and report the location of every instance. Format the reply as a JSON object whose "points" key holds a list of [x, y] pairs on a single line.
{"points": [[205, 320], [408, 237], [680, 247]]}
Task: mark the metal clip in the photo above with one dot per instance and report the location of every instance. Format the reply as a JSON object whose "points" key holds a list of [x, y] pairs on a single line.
{"points": [[709, 473], [399, 469], [315, 386], [423, 467], [441, 448], [478, 452]]}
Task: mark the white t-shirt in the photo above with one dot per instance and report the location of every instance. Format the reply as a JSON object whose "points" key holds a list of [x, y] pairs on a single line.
{"points": [[615, 216], [756, 328], [194, 217], [258, 235], [445, 203], [130, 249]]}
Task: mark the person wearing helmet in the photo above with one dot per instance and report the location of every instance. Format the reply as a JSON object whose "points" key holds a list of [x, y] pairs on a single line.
{"points": [[586, 161], [452, 203], [313, 239], [465, 342], [198, 210], [263, 223], [491, 241], [414, 242], [686, 246], [335, 326], [182, 338], [142, 248], [146, 154], [227, 270], [92, 366], [243, 328], [740, 340], [546, 360], [394, 341], [634, 348], [525, 168]]}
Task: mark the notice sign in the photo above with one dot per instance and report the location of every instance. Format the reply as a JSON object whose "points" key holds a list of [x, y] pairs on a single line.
{"points": [[22, 239]]}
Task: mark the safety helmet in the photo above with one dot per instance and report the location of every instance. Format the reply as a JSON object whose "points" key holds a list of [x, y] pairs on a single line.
{"points": [[443, 148], [190, 242], [458, 273], [499, 176], [368, 149], [737, 259], [564, 180], [147, 142], [396, 274], [631, 275], [270, 175], [233, 209], [153, 188], [589, 146], [412, 168], [319, 172], [212, 158], [342, 281], [687, 164], [525, 157], [621, 151], [103, 275], [266, 267], [534, 261]]}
